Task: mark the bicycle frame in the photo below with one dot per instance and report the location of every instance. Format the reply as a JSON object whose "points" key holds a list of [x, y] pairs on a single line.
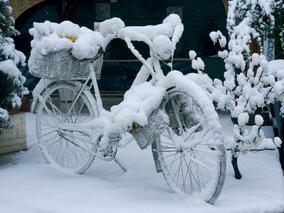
{"points": [[170, 112], [151, 66]]}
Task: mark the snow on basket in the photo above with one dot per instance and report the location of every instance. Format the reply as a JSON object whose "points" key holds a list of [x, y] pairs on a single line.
{"points": [[64, 51]]}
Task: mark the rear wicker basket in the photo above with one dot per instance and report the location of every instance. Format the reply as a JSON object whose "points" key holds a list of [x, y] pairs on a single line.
{"points": [[61, 65], [157, 123]]}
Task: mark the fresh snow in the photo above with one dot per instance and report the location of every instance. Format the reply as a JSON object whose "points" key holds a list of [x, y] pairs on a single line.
{"points": [[4, 115], [218, 37], [29, 185], [259, 120], [243, 119], [9, 51], [198, 64], [49, 37], [192, 54], [9, 68], [138, 104], [111, 26], [276, 68]]}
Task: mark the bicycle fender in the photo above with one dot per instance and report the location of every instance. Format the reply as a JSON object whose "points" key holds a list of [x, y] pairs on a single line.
{"points": [[188, 84], [41, 87], [38, 90]]}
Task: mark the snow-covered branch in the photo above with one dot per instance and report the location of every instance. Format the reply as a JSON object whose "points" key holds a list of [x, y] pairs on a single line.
{"points": [[249, 84]]}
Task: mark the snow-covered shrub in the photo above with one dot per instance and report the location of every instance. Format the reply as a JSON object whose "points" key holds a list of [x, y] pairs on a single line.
{"points": [[11, 80], [260, 15], [249, 85], [7, 29], [248, 82]]}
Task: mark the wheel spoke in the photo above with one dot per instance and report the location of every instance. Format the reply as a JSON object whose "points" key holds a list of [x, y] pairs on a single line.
{"points": [[70, 150], [197, 161], [192, 174], [190, 159]]}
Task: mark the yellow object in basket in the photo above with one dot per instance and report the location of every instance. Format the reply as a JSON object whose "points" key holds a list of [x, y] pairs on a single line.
{"points": [[70, 37], [134, 127]]}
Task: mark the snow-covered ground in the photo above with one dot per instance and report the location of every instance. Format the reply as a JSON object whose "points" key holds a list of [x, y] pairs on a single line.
{"points": [[29, 185]]}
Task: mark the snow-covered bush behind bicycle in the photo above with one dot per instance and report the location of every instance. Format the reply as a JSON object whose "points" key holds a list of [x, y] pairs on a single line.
{"points": [[250, 83]]}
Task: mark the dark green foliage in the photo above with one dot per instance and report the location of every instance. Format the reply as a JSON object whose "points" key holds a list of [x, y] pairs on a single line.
{"points": [[265, 17], [279, 29], [259, 15], [7, 28], [9, 88], [3, 125]]}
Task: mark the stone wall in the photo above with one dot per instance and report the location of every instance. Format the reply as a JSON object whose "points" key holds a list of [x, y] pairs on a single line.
{"points": [[19, 6], [13, 139], [225, 2]]}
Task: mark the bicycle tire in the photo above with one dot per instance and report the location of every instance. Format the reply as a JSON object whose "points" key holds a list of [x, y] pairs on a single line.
{"points": [[171, 154], [72, 151]]}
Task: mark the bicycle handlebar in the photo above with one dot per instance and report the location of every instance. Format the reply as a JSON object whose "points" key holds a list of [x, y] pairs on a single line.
{"points": [[171, 27], [146, 33]]}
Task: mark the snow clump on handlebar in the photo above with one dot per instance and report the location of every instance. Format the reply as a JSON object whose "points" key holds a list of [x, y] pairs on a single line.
{"points": [[163, 47], [111, 26]]}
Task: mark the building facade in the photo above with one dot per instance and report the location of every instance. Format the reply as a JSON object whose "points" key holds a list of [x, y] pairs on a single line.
{"points": [[120, 67]]}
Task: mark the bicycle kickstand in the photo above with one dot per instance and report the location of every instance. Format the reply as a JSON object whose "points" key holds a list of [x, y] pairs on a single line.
{"points": [[120, 164]]}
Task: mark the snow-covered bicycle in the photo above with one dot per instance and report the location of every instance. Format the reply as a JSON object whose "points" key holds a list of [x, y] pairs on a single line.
{"points": [[170, 112]]}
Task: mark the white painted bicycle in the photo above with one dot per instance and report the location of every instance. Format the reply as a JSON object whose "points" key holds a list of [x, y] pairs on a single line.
{"points": [[170, 112]]}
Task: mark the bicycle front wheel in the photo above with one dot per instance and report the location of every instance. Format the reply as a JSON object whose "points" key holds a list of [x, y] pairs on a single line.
{"points": [[60, 103], [190, 153]]}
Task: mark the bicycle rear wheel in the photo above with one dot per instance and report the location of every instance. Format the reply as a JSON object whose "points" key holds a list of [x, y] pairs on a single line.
{"points": [[190, 153], [60, 103]]}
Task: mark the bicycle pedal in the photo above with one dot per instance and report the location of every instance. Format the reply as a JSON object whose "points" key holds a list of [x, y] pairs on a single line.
{"points": [[108, 152], [114, 138]]}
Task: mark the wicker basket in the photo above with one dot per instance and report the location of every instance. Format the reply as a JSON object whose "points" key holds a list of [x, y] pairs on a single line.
{"points": [[157, 123], [61, 65]]}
